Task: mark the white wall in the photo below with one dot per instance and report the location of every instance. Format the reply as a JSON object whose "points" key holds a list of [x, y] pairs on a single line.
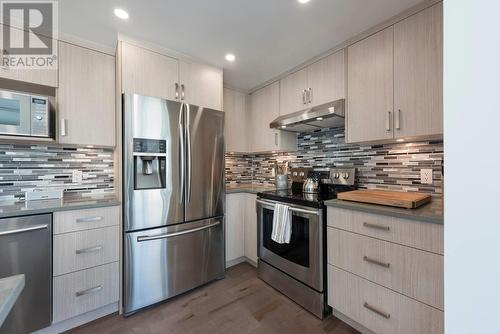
{"points": [[472, 166]]}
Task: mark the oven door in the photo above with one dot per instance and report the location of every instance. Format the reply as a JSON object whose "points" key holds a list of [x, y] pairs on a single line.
{"points": [[302, 258], [15, 114]]}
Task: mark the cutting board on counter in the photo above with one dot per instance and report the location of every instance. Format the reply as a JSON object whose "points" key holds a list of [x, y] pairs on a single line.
{"points": [[390, 198]]}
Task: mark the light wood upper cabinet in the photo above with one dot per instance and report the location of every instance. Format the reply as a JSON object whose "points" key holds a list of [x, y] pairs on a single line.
{"points": [[236, 121], [395, 81], [418, 74], [319, 83], [148, 73], [293, 92], [370, 88], [201, 85], [327, 79], [45, 77], [264, 109], [86, 96]]}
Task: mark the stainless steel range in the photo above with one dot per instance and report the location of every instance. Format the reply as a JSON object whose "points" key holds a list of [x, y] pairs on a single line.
{"points": [[297, 268], [173, 161]]}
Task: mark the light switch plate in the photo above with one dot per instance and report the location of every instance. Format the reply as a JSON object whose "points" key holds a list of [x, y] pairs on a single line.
{"points": [[426, 176], [77, 176]]}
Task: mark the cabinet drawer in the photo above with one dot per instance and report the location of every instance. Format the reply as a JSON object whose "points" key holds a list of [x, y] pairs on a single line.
{"points": [[379, 309], [79, 220], [412, 272], [426, 236], [85, 249], [84, 291]]}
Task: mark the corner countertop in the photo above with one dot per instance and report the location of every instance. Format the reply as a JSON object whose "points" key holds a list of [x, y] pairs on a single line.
{"points": [[24, 208], [248, 188], [10, 289], [431, 212]]}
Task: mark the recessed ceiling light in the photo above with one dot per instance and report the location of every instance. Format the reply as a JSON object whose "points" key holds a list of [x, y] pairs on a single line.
{"points": [[319, 118], [230, 57], [283, 126], [121, 13], [303, 1]]}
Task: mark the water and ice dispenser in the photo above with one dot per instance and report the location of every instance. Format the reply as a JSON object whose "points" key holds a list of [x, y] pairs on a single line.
{"points": [[149, 163]]}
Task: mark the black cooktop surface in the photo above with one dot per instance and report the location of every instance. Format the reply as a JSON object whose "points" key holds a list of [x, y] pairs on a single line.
{"points": [[296, 196]]}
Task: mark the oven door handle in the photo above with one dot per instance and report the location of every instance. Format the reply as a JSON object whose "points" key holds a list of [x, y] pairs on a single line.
{"points": [[291, 208]]}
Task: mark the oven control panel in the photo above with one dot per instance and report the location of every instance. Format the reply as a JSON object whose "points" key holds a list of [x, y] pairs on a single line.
{"points": [[343, 176]]}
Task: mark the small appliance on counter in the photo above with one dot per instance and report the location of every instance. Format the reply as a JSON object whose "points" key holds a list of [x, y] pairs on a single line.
{"points": [[24, 114], [281, 175], [297, 268]]}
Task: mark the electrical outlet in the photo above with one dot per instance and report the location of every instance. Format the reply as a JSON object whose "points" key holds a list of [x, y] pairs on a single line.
{"points": [[77, 176], [426, 176]]}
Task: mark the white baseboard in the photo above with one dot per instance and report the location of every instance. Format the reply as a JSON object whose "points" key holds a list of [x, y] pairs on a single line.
{"points": [[239, 260], [79, 320]]}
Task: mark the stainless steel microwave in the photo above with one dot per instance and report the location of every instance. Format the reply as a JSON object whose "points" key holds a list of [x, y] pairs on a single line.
{"points": [[24, 115]]}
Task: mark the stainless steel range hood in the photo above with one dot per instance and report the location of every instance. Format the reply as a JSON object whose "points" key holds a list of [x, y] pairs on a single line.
{"points": [[328, 115]]}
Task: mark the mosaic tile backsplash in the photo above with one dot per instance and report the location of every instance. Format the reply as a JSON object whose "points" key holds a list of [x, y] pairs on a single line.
{"points": [[388, 166], [24, 167]]}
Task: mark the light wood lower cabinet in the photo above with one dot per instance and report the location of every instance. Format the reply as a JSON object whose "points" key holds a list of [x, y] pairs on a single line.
{"points": [[241, 227], [85, 249], [421, 235], [86, 265], [385, 273], [379, 309], [86, 219], [83, 291], [414, 273]]}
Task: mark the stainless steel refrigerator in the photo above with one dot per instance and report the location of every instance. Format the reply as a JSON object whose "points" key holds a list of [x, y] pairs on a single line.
{"points": [[173, 186]]}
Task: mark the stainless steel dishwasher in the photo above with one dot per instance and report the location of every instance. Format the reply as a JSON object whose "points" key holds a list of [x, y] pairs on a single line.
{"points": [[26, 248]]}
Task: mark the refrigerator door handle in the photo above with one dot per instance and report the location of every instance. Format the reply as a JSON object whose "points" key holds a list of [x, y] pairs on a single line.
{"points": [[182, 153], [189, 157], [143, 238]]}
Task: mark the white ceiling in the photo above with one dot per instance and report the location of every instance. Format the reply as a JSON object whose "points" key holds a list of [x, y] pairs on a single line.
{"points": [[268, 37]]}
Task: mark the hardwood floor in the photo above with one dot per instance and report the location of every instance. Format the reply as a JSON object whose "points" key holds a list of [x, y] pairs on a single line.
{"points": [[239, 303]]}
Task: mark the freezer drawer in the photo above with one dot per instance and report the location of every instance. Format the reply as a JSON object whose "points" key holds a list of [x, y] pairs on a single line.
{"points": [[164, 262]]}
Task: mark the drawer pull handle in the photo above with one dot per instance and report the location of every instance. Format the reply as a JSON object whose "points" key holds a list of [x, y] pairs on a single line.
{"points": [[376, 310], [90, 219], [89, 291], [89, 250], [377, 262], [378, 227]]}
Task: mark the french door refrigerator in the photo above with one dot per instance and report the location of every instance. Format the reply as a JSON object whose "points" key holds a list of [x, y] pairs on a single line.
{"points": [[173, 189]]}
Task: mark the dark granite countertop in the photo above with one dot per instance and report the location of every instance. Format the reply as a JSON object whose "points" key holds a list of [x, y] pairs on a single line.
{"points": [[247, 188], [24, 208], [431, 212]]}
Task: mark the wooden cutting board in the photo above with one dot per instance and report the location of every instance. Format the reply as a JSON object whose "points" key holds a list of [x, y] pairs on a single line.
{"points": [[391, 198]]}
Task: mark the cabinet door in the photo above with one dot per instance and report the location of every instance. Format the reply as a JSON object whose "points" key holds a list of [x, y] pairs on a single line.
{"points": [[46, 77], [202, 85], [327, 79], [236, 122], [86, 96], [250, 227], [148, 73], [292, 92], [235, 226], [264, 109], [370, 88], [418, 74]]}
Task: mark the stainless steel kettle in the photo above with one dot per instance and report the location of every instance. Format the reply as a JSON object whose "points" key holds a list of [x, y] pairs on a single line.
{"points": [[311, 185]]}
